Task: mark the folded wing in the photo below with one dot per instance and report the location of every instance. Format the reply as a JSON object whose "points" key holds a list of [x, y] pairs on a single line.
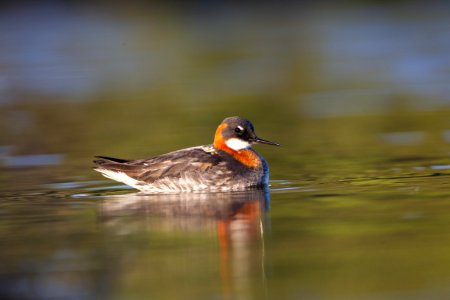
{"points": [[196, 160]]}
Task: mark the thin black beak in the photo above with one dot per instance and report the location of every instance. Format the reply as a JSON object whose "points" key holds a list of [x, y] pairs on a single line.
{"points": [[261, 141]]}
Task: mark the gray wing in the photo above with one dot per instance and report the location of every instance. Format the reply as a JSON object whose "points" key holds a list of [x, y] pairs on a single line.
{"points": [[196, 160]]}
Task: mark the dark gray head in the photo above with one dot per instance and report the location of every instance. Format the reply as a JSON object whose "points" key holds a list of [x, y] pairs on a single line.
{"points": [[237, 133]]}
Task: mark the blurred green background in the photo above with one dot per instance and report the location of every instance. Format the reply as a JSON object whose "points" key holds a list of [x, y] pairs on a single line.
{"points": [[83, 78]]}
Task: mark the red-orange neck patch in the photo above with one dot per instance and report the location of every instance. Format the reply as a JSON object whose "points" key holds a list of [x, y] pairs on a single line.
{"points": [[247, 157]]}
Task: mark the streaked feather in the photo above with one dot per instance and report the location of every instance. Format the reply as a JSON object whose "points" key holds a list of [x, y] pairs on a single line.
{"points": [[190, 169]]}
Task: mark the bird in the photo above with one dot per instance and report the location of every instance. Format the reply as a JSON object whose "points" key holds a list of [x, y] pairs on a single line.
{"points": [[228, 164]]}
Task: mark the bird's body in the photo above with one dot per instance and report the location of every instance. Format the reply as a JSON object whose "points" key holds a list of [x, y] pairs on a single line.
{"points": [[229, 164]]}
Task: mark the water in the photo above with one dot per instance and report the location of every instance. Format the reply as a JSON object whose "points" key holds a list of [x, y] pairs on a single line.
{"points": [[359, 201]]}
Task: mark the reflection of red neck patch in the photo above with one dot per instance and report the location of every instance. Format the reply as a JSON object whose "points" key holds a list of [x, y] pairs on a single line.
{"points": [[247, 157]]}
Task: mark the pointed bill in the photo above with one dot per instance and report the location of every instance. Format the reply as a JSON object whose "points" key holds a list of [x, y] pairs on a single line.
{"points": [[262, 141]]}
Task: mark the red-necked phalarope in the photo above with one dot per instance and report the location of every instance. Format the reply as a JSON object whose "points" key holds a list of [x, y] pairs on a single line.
{"points": [[229, 164]]}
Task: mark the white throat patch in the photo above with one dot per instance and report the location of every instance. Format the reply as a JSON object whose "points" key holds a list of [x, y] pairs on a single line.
{"points": [[237, 144]]}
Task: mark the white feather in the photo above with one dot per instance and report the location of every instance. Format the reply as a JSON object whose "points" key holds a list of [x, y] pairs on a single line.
{"points": [[120, 176], [237, 144]]}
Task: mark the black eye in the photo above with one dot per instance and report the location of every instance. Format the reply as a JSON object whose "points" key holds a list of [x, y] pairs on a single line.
{"points": [[239, 130]]}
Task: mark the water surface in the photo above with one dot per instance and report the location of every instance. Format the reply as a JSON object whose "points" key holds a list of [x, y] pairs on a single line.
{"points": [[359, 201]]}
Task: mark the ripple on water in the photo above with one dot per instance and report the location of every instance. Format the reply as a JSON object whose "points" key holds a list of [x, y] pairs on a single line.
{"points": [[278, 186], [35, 160]]}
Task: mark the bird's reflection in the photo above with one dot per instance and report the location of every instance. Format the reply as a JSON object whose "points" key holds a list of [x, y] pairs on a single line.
{"points": [[237, 219], [205, 205]]}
